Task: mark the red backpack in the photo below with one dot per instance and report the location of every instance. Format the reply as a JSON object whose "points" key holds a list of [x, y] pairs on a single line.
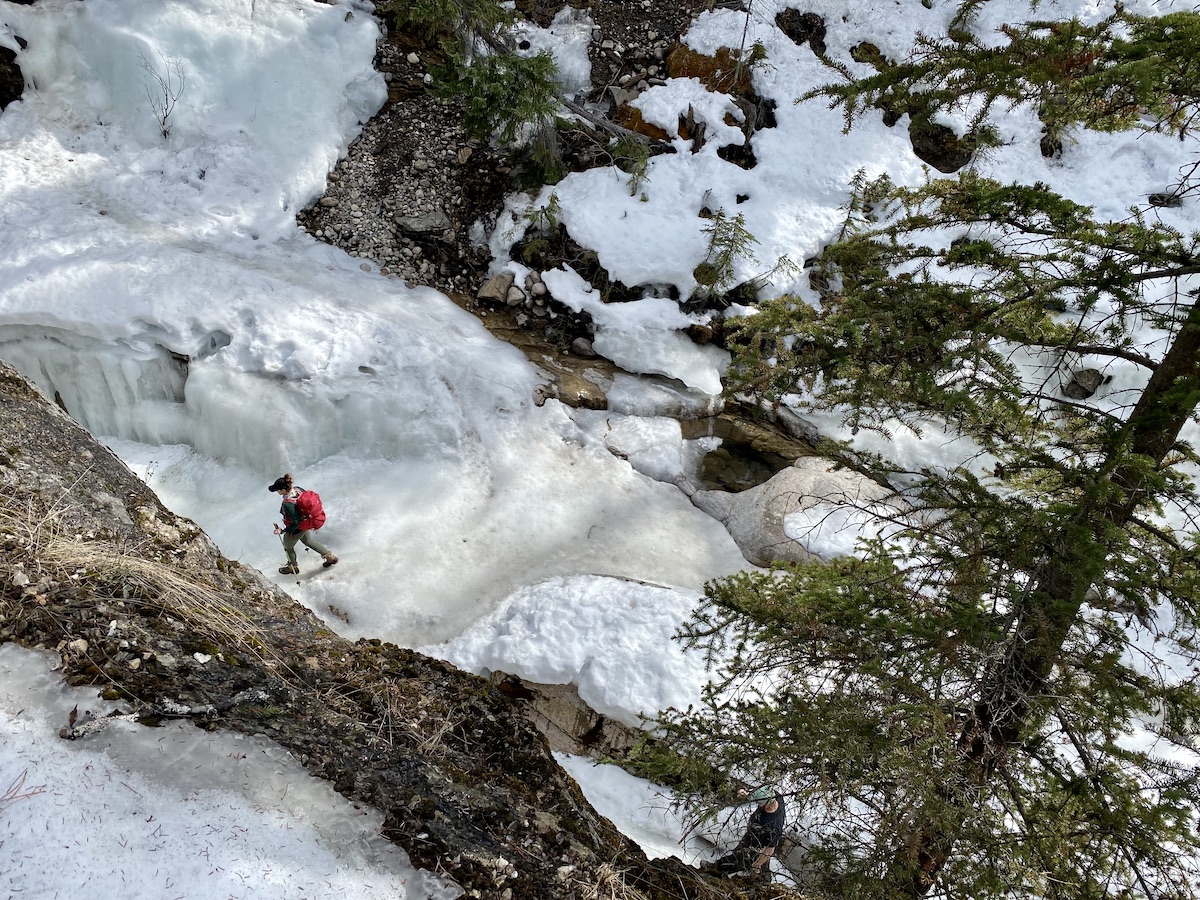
{"points": [[308, 507]]}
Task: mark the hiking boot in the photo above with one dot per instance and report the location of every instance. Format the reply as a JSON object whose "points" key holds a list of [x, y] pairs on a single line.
{"points": [[763, 876], [330, 560], [289, 569]]}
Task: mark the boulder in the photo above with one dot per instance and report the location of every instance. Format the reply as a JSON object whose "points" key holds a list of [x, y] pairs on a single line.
{"points": [[430, 224], [582, 347], [495, 289], [755, 517], [1168, 199], [1083, 383], [12, 83], [803, 28], [938, 145]]}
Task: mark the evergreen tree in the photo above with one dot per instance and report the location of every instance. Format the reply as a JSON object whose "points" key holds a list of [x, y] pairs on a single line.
{"points": [[998, 696]]}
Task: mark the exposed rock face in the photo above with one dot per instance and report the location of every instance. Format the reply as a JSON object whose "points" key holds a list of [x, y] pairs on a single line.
{"points": [[938, 145], [466, 783], [803, 28], [12, 82], [570, 725], [415, 193], [411, 187], [1083, 383], [755, 517]]}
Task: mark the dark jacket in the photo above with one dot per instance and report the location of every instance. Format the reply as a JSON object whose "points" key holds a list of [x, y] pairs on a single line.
{"points": [[766, 829], [291, 515]]}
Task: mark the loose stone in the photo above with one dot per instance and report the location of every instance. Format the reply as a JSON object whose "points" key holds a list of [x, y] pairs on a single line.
{"points": [[582, 347], [495, 288]]}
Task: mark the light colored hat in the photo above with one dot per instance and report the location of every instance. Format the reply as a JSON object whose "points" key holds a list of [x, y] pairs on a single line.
{"points": [[762, 794]]}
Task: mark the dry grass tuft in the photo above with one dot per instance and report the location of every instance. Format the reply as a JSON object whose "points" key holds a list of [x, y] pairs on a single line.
{"points": [[404, 719], [631, 117], [610, 885], [720, 72], [156, 584], [433, 741], [388, 701]]}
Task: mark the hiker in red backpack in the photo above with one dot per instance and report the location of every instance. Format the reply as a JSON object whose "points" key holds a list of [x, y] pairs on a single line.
{"points": [[302, 516]]}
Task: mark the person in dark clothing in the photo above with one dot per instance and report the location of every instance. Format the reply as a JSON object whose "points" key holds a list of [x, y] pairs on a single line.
{"points": [[763, 835], [295, 528]]}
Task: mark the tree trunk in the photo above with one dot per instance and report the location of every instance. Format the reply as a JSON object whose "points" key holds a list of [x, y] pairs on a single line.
{"points": [[1011, 688]]}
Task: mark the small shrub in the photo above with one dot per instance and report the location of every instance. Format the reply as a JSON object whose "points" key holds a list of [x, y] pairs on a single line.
{"points": [[506, 94], [163, 89], [728, 240], [545, 219], [545, 153], [633, 158]]}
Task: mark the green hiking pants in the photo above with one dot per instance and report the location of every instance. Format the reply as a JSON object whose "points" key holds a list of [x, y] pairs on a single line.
{"points": [[308, 538]]}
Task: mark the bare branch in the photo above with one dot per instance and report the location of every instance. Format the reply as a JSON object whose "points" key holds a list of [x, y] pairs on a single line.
{"points": [[163, 89]]}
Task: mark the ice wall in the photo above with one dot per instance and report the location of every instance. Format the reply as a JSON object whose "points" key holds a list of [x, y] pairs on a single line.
{"points": [[125, 389], [139, 390]]}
